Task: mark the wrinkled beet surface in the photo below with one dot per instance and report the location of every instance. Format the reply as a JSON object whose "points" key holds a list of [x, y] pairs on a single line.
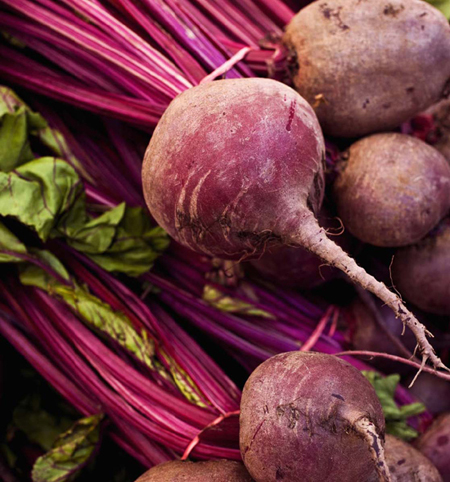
{"points": [[233, 166], [298, 414], [392, 189], [435, 444], [369, 65]]}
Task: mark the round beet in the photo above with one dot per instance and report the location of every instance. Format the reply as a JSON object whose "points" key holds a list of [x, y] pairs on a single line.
{"points": [[369, 65], [407, 464], [392, 189], [236, 166], [210, 471], [435, 444], [310, 417], [421, 272]]}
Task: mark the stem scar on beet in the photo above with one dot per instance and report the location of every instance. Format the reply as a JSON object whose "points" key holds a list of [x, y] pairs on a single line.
{"points": [[265, 178]]}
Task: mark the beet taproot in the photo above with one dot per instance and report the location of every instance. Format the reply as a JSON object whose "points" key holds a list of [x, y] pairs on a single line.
{"points": [[369, 65], [435, 444], [236, 166], [311, 417], [407, 464], [299, 268], [392, 189], [186, 471], [421, 271]]}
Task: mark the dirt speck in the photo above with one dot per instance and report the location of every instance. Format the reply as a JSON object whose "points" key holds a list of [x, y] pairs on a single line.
{"points": [[391, 11], [335, 15]]}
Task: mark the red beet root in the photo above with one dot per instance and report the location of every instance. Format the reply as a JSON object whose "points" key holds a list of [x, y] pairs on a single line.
{"points": [[311, 417], [210, 471], [435, 444], [392, 189], [421, 271], [369, 65], [236, 166]]}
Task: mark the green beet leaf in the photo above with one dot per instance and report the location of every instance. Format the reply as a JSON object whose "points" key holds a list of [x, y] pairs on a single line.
{"points": [[91, 235], [12, 250], [396, 416], [223, 302], [39, 192], [71, 452], [442, 5], [136, 245], [41, 426], [17, 123], [94, 312]]}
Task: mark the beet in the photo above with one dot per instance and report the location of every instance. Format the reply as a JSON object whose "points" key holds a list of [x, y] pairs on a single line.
{"points": [[310, 417], [433, 392], [392, 189], [185, 471], [435, 444], [236, 166], [421, 271], [407, 464], [440, 113], [369, 65]]}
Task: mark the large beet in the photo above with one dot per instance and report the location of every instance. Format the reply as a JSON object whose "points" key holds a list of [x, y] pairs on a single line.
{"points": [[236, 166], [210, 471], [435, 444], [392, 189], [369, 65], [407, 464], [421, 272], [310, 417]]}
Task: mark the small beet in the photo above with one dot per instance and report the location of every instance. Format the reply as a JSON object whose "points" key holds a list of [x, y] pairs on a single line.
{"points": [[311, 417], [392, 189], [435, 444], [407, 464], [236, 166], [369, 65], [421, 271], [185, 471]]}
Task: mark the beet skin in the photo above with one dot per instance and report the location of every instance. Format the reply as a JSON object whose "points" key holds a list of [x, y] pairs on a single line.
{"points": [[435, 444], [210, 471], [301, 418], [392, 189], [225, 157], [407, 464], [421, 272], [369, 65]]}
